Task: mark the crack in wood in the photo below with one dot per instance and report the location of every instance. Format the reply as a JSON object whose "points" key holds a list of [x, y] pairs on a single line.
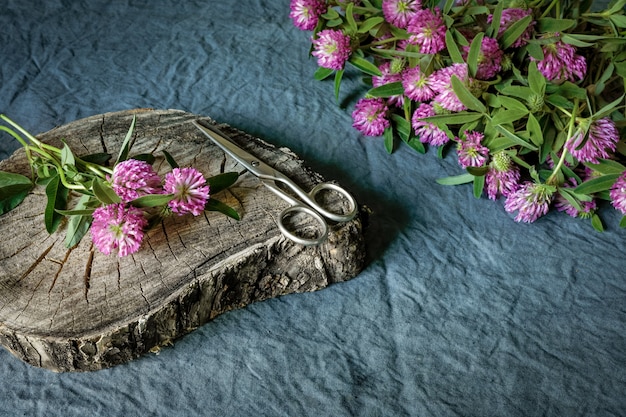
{"points": [[101, 131], [87, 274], [61, 264], [32, 267]]}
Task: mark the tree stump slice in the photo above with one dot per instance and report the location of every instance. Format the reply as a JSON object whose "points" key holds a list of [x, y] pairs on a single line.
{"points": [[79, 310]]}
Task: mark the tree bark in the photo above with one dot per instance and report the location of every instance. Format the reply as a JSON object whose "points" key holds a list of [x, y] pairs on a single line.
{"points": [[75, 309]]}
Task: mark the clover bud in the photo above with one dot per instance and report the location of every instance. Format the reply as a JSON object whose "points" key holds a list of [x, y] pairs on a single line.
{"points": [[535, 103], [397, 65]]}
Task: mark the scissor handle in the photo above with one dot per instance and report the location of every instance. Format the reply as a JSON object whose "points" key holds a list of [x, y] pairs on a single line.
{"points": [[287, 232], [336, 217]]}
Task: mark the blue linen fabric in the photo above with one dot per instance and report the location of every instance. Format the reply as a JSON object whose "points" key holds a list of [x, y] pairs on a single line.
{"points": [[460, 311]]}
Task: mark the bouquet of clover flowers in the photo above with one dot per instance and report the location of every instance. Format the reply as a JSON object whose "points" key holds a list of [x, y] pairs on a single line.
{"points": [[529, 93], [117, 204]]}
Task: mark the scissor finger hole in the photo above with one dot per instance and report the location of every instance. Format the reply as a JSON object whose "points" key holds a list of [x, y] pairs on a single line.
{"points": [[303, 225], [333, 198]]}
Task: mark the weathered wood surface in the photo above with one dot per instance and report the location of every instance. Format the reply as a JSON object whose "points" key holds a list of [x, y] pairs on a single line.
{"points": [[77, 309]]}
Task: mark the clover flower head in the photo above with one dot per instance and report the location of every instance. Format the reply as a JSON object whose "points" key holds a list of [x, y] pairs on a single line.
{"points": [[416, 84], [389, 76], [370, 116], [561, 63], [400, 12], [190, 189], [618, 193], [602, 138], [470, 151], [305, 13], [503, 176], [133, 178], [331, 48], [441, 83], [118, 226], [427, 30], [427, 132], [531, 200], [489, 58]]}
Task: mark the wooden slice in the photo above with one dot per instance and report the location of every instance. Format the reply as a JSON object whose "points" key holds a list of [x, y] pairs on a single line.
{"points": [[75, 309]]}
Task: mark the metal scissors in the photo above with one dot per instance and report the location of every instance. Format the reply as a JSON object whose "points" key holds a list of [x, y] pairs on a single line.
{"points": [[270, 177]]}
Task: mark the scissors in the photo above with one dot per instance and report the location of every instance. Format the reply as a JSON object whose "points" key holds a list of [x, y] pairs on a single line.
{"points": [[270, 177]]}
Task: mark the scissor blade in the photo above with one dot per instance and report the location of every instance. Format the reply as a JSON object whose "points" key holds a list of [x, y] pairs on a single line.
{"points": [[249, 161]]}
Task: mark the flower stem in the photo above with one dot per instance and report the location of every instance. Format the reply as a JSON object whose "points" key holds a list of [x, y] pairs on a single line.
{"points": [[570, 131]]}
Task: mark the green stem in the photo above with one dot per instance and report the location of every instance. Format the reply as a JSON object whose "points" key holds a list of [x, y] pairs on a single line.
{"points": [[570, 131], [552, 4]]}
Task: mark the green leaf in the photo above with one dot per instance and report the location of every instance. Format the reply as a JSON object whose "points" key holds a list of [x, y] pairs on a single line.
{"points": [[456, 180], [573, 40], [97, 158], [534, 50], [508, 116], [216, 205], [74, 212], [622, 222], [536, 80], [534, 130], [453, 119], [104, 192], [170, 159], [515, 139], [494, 27], [511, 103], [337, 84], [13, 190], [573, 198], [607, 166], [569, 90], [352, 27], [479, 185], [596, 222], [448, 6], [322, 73], [618, 20], [606, 75], [221, 182], [370, 23], [67, 157], [403, 127], [474, 53], [415, 144], [552, 25], [152, 200], [78, 226], [514, 32], [145, 157], [388, 137], [12, 196], [331, 14], [10, 178], [453, 49], [57, 199], [478, 171], [364, 65], [127, 143], [516, 91], [608, 109], [559, 101], [387, 90], [597, 184], [466, 97]]}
